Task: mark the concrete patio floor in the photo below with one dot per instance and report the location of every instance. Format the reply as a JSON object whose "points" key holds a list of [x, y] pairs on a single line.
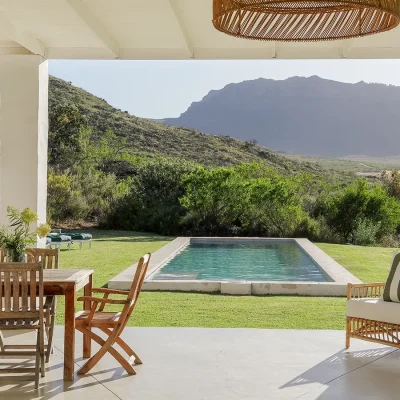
{"points": [[216, 364]]}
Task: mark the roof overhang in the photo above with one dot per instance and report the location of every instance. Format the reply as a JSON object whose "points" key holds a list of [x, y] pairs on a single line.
{"points": [[154, 30]]}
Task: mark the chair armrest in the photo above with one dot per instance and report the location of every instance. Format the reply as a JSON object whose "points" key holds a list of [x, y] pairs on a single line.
{"points": [[109, 291], [358, 290], [103, 301]]}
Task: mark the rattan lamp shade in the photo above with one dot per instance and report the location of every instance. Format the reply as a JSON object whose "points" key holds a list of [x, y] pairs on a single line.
{"points": [[299, 20]]}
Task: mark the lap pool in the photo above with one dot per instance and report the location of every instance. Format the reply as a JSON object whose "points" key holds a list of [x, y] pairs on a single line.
{"points": [[244, 266], [242, 260]]}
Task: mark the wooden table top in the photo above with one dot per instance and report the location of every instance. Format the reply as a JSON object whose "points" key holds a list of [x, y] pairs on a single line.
{"points": [[65, 275], [57, 281]]}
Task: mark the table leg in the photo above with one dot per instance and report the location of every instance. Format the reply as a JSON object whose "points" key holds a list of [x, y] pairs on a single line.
{"points": [[69, 333], [87, 342]]}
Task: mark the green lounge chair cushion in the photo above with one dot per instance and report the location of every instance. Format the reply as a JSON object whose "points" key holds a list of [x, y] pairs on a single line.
{"points": [[59, 238], [79, 236]]}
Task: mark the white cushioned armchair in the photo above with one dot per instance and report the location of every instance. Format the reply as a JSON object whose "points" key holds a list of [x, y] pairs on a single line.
{"points": [[369, 317]]}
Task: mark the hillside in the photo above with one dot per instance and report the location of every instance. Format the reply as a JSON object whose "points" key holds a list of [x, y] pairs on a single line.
{"points": [[149, 138], [310, 116]]}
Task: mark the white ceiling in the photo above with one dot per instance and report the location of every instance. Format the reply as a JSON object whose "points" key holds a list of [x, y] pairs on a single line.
{"points": [[153, 29]]}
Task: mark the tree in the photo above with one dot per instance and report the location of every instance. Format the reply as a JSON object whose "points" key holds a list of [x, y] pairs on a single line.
{"points": [[213, 200], [67, 131], [274, 206]]}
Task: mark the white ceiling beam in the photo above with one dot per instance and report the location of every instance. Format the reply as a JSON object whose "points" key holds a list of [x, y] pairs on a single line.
{"points": [[95, 26], [182, 27], [24, 39], [13, 51]]}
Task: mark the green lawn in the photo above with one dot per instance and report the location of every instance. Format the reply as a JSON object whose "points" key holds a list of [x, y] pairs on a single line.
{"points": [[370, 264], [113, 251]]}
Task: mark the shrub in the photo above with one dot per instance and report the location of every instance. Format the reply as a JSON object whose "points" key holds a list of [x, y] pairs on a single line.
{"points": [[365, 232], [246, 200], [83, 195], [213, 200], [390, 241], [153, 201], [357, 202]]}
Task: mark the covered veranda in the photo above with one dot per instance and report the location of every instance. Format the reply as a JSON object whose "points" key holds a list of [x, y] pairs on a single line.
{"points": [[203, 364]]}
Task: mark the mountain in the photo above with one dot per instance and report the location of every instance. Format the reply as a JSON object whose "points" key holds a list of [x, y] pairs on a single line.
{"points": [[310, 116], [149, 139]]}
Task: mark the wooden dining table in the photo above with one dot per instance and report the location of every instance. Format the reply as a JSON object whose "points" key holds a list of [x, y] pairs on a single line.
{"points": [[66, 282]]}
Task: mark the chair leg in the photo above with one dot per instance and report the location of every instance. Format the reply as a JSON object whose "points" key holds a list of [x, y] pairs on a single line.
{"points": [[1, 342], [348, 331], [37, 362], [128, 350], [42, 353], [49, 349], [106, 346], [124, 346]]}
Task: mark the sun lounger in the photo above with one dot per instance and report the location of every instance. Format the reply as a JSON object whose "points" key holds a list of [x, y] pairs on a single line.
{"points": [[57, 240], [80, 238]]}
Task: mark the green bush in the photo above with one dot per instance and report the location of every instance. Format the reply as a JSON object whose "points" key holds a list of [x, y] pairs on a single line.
{"points": [[357, 202], [390, 241], [83, 195], [153, 201], [245, 200], [365, 232]]}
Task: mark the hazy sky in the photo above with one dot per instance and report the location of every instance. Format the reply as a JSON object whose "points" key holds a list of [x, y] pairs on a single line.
{"points": [[160, 89]]}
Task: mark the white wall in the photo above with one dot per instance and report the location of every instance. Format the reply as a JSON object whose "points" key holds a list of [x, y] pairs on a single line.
{"points": [[23, 133]]}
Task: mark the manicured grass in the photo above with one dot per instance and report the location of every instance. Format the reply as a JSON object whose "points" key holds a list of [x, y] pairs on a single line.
{"points": [[113, 251], [370, 264], [219, 311]]}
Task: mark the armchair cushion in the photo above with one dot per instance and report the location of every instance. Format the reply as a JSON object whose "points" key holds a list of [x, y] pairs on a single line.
{"points": [[391, 293], [374, 309]]}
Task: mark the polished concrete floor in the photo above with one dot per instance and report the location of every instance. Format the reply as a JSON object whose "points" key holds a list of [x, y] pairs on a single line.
{"points": [[226, 364]]}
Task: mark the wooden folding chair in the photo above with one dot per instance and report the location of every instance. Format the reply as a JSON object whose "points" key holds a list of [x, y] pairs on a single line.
{"points": [[21, 308], [111, 323], [49, 259]]}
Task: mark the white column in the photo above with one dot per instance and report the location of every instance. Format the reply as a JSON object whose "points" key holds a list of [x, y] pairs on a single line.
{"points": [[23, 133]]}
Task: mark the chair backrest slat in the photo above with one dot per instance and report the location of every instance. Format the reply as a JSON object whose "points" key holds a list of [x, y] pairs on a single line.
{"points": [[15, 290], [19, 282], [24, 291], [7, 291], [49, 257], [135, 290], [1, 289], [32, 291]]}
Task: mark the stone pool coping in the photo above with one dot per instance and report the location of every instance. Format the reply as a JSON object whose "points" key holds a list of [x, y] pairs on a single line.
{"points": [[340, 276]]}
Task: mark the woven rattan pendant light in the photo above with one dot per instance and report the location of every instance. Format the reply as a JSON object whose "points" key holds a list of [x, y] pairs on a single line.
{"points": [[299, 20]]}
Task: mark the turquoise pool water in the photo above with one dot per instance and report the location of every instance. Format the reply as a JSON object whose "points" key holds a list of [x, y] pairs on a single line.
{"points": [[242, 261]]}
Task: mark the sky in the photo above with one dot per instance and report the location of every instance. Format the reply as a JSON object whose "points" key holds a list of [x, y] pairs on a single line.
{"points": [[165, 89]]}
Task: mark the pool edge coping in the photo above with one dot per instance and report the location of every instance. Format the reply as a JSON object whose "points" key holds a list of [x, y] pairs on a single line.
{"points": [[341, 277]]}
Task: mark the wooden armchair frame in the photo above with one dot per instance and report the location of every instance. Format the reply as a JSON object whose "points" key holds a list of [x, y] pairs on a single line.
{"points": [[111, 324], [21, 308], [49, 259], [366, 329]]}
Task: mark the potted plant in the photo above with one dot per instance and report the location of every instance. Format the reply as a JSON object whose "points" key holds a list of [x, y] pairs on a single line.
{"points": [[18, 235]]}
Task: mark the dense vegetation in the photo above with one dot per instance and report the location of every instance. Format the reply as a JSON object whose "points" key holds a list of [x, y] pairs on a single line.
{"points": [[123, 172]]}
